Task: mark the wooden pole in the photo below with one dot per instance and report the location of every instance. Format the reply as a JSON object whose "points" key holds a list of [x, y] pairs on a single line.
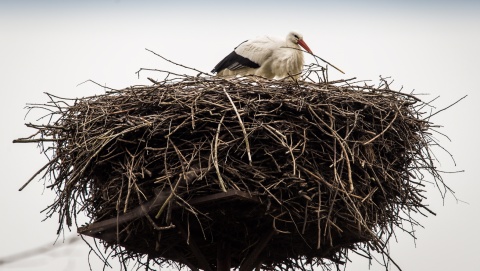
{"points": [[224, 256], [202, 261], [253, 258]]}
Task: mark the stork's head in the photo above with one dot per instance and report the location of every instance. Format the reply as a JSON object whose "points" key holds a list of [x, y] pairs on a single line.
{"points": [[297, 38]]}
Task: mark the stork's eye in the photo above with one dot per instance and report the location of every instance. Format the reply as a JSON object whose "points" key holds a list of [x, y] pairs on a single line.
{"points": [[296, 36]]}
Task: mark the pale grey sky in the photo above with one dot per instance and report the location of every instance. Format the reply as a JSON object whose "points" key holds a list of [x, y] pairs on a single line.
{"points": [[51, 46]]}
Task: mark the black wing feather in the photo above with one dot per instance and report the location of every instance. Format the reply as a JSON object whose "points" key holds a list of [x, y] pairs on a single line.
{"points": [[234, 61]]}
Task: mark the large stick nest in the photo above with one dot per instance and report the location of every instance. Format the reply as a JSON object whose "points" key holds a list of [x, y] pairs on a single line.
{"points": [[323, 168]]}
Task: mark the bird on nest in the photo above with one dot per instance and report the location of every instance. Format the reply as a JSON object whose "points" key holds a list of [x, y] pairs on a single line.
{"points": [[267, 57]]}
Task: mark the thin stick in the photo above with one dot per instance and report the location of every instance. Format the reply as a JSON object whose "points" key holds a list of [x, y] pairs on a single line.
{"points": [[172, 194], [247, 144], [215, 157], [384, 130], [443, 109], [38, 172], [315, 56], [178, 64]]}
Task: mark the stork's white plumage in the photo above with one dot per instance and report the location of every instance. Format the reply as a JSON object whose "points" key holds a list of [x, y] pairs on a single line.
{"points": [[265, 56]]}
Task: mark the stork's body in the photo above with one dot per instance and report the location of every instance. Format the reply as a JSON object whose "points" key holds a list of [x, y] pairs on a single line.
{"points": [[265, 56]]}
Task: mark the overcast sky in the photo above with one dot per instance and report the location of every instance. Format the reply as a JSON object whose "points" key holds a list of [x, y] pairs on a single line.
{"points": [[431, 47]]}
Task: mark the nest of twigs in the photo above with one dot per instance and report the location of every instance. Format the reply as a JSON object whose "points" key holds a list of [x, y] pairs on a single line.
{"points": [[276, 174]]}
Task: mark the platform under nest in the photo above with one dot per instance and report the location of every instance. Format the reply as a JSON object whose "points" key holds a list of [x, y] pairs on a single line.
{"points": [[208, 172]]}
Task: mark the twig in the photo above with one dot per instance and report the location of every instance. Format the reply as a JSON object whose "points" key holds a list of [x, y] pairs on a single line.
{"points": [[245, 135], [39, 171], [178, 64], [443, 109], [215, 156], [382, 132]]}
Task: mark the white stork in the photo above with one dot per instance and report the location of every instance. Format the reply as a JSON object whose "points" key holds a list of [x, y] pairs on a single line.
{"points": [[265, 56]]}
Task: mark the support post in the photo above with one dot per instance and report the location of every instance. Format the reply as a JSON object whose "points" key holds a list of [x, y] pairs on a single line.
{"points": [[224, 256], [252, 259], [202, 261]]}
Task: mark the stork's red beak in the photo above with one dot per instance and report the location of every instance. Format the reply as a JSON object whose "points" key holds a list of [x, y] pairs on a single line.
{"points": [[305, 46]]}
